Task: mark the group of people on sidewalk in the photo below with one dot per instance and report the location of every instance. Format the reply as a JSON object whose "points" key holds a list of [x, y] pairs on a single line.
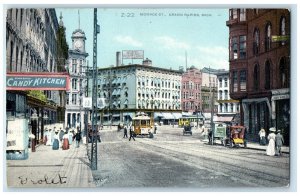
{"points": [[131, 133], [61, 138], [275, 141]]}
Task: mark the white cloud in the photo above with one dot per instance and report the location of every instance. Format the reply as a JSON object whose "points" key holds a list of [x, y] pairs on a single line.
{"points": [[171, 43], [128, 41]]}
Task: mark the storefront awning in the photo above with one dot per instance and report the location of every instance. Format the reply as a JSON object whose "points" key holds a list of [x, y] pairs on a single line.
{"points": [[158, 114], [167, 116], [177, 115], [222, 118]]}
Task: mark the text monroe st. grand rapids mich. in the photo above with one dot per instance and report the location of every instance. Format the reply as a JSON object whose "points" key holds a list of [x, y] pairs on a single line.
{"points": [[32, 82]]}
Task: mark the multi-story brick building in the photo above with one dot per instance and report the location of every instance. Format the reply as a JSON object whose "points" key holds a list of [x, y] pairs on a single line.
{"points": [[129, 89], [259, 53], [191, 90]]}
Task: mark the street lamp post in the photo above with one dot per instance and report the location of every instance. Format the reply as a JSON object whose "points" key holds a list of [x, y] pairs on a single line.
{"points": [[34, 117]]}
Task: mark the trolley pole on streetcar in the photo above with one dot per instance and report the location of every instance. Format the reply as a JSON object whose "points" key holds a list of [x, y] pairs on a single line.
{"points": [[94, 95]]}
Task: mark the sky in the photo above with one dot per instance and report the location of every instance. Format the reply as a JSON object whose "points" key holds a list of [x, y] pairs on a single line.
{"points": [[167, 36]]}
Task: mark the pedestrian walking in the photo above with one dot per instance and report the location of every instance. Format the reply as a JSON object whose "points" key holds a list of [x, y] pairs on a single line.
{"points": [[271, 147], [45, 136], [71, 135], [77, 138], [278, 142], [204, 133], [55, 145], [262, 137], [49, 138], [131, 134], [125, 132], [61, 135], [65, 141], [52, 135]]}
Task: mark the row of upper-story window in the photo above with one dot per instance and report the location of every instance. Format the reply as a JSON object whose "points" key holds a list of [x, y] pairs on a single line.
{"points": [[237, 14], [190, 106], [78, 83], [238, 44], [74, 99], [163, 95], [223, 82], [228, 107], [191, 85], [223, 95], [239, 81], [157, 82], [77, 66], [239, 78], [191, 95]]}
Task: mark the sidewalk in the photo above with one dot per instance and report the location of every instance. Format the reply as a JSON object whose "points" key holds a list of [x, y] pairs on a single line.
{"points": [[51, 169], [256, 146]]}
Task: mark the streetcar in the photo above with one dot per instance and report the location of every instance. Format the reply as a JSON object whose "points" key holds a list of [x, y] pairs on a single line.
{"points": [[190, 121], [142, 124]]}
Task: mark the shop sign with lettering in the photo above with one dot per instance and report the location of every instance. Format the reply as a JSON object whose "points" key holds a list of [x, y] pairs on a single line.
{"points": [[37, 82]]}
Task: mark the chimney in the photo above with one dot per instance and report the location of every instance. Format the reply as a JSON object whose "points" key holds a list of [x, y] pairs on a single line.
{"points": [[118, 59]]}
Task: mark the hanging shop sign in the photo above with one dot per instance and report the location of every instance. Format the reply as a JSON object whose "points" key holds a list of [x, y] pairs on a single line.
{"points": [[37, 81], [280, 38]]}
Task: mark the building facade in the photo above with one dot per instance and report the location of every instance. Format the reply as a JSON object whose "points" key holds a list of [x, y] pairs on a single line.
{"points": [[129, 89], [259, 56], [77, 66], [227, 106], [209, 91], [191, 90], [31, 46]]}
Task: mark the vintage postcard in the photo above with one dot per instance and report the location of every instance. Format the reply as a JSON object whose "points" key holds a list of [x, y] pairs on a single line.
{"points": [[161, 98]]}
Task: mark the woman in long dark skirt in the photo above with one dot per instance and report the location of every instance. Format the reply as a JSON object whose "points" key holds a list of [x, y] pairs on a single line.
{"points": [[55, 145]]}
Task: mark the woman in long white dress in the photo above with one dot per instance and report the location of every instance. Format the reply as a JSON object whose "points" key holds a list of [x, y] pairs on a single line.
{"points": [[271, 147], [49, 138]]}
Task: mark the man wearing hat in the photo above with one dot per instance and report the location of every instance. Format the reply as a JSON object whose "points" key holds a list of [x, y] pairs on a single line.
{"points": [[278, 142], [271, 137]]}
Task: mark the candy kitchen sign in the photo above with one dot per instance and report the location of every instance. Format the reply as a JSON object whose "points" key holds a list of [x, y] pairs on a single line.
{"points": [[37, 81]]}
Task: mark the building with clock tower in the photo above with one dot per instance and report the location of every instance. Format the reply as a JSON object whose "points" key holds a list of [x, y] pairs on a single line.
{"points": [[77, 65]]}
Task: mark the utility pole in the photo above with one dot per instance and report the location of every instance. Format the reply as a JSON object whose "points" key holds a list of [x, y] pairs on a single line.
{"points": [[94, 95], [211, 111]]}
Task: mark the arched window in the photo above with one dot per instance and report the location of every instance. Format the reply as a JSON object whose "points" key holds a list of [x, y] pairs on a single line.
{"points": [[11, 56], [234, 81], [220, 95], [17, 58], [282, 26], [284, 73], [282, 29], [267, 75], [268, 37], [256, 77], [256, 41]]}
